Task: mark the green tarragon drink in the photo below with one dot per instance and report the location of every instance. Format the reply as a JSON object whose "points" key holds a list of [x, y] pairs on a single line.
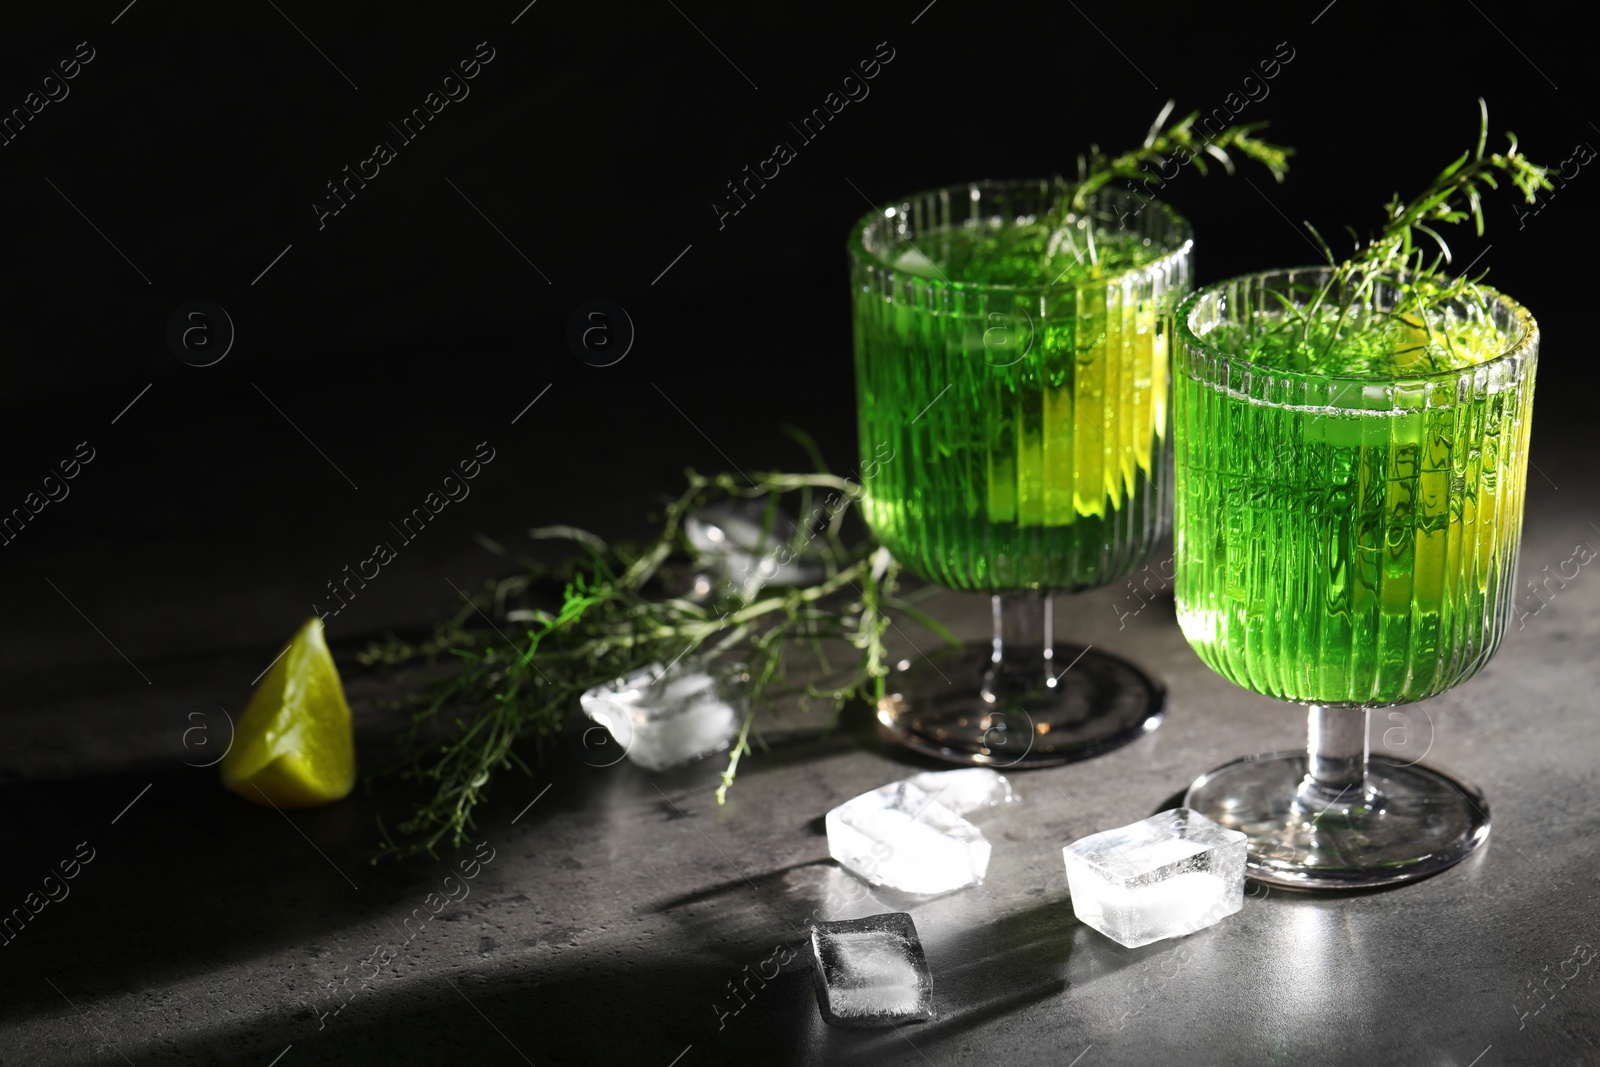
{"points": [[1350, 449], [1348, 514], [1012, 380]]}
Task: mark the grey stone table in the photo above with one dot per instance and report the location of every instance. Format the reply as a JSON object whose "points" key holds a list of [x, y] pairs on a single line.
{"points": [[612, 912]]}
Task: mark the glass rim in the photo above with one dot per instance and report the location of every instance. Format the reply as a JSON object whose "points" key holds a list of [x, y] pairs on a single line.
{"points": [[1526, 342], [881, 211]]}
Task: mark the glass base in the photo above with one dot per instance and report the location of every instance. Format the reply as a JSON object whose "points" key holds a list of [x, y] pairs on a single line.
{"points": [[948, 705], [1406, 823]]}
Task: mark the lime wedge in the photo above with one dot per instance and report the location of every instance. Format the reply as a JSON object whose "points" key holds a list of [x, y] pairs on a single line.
{"points": [[294, 746]]}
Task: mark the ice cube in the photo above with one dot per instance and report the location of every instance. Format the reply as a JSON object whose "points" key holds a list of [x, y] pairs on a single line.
{"points": [[871, 972], [899, 836], [1165, 876], [912, 261], [966, 790], [749, 549], [662, 717], [680, 688]]}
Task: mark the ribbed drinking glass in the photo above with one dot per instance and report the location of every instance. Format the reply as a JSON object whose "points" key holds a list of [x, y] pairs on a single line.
{"points": [[1012, 381], [1347, 541]]}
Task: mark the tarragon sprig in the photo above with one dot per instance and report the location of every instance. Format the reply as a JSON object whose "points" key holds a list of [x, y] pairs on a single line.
{"points": [[1409, 254], [1178, 142], [1165, 144], [619, 612]]}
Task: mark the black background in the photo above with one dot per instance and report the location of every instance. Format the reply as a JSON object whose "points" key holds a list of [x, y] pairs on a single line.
{"points": [[408, 329], [414, 326]]}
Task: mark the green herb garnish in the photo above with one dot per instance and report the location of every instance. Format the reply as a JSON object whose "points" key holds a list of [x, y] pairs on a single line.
{"points": [[1176, 144], [1427, 320], [1143, 169], [617, 613]]}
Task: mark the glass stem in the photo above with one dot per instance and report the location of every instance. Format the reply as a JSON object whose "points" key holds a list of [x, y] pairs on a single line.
{"points": [[1336, 756], [1024, 640]]}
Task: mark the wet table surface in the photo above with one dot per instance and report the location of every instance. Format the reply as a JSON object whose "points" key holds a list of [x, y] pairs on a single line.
{"points": [[612, 912]]}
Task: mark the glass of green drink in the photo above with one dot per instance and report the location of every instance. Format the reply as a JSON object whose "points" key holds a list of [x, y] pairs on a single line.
{"points": [[1012, 379], [1348, 509]]}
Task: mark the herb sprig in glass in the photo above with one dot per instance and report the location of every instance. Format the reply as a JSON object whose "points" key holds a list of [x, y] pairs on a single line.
{"points": [[1165, 143], [1426, 320]]}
